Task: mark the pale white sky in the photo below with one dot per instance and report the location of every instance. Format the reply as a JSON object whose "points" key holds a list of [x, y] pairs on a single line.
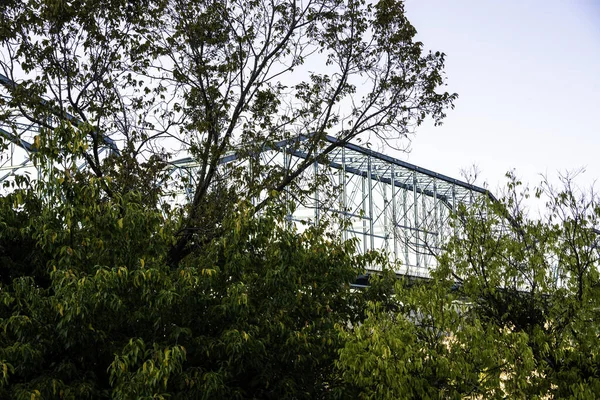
{"points": [[528, 77]]}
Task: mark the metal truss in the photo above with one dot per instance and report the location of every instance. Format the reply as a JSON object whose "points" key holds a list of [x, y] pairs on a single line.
{"points": [[20, 133], [378, 201], [15, 158], [391, 205]]}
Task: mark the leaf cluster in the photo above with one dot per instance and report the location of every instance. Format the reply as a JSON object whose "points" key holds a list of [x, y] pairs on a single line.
{"points": [[90, 309], [510, 312]]}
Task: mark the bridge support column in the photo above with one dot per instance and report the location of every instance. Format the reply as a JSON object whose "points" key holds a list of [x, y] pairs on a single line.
{"points": [[416, 220], [394, 215], [370, 199]]}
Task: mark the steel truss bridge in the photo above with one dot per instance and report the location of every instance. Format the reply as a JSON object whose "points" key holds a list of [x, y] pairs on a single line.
{"points": [[381, 202]]}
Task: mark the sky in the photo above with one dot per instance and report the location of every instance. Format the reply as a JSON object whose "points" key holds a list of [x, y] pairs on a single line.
{"points": [[528, 78]]}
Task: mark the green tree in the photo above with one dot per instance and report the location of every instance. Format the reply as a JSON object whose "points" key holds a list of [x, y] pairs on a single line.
{"points": [[158, 79], [511, 311], [90, 309], [107, 291]]}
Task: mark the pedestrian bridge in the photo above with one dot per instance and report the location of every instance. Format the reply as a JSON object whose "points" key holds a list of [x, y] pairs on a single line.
{"points": [[381, 202]]}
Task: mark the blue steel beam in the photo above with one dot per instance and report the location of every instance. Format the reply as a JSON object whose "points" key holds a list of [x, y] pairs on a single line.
{"points": [[408, 166], [10, 84], [278, 146], [18, 141]]}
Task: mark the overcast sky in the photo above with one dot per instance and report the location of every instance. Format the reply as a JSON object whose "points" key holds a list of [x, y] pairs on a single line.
{"points": [[528, 77]]}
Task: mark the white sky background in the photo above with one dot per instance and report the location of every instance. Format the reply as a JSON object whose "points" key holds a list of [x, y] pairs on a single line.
{"points": [[528, 77]]}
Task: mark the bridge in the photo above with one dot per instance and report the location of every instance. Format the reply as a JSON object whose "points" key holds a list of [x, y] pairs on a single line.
{"points": [[382, 202]]}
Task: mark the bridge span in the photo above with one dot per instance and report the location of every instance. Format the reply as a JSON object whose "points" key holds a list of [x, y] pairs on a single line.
{"points": [[382, 202]]}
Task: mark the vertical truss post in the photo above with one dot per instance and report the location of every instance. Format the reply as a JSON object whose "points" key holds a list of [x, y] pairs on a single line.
{"points": [[436, 217], [394, 216], [386, 224], [416, 218], [287, 163], [343, 200], [425, 224], [454, 197], [406, 229], [364, 212], [316, 172], [454, 206], [370, 195]]}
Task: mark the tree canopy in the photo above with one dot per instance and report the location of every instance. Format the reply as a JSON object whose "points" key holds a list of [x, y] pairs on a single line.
{"points": [[158, 79], [108, 291], [511, 311], [90, 309]]}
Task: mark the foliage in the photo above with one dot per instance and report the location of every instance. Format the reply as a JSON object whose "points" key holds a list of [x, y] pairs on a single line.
{"points": [[89, 308], [157, 80], [511, 311], [108, 289]]}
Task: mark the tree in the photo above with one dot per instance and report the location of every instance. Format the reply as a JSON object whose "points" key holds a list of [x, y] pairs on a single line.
{"points": [[154, 79], [511, 311], [106, 291], [90, 309]]}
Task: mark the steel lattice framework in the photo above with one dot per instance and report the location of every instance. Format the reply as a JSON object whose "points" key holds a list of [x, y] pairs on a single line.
{"points": [[395, 206], [381, 202]]}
